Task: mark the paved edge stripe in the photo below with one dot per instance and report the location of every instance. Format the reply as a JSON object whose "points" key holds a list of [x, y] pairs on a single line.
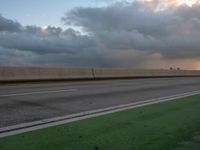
{"points": [[36, 125], [38, 92]]}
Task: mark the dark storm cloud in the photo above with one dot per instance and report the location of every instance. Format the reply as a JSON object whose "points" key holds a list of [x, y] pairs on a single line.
{"points": [[173, 32], [8, 25], [33, 45], [44, 41], [26, 45]]}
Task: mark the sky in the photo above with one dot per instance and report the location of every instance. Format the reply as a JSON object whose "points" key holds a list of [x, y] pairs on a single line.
{"points": [[152, 34], [43, 12]]}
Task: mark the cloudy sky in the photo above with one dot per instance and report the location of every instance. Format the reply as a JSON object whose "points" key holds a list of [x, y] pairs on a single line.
{"points": [[100, 33]]}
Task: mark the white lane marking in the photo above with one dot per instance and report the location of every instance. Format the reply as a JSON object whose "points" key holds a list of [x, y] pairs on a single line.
{"points": [[36, 125], [39, 92]]}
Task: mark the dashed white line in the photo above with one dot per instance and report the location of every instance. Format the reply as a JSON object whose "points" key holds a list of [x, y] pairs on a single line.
{"points": [[38, 92]]}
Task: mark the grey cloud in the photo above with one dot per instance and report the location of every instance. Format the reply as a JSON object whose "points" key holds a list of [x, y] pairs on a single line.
{"points": [[44, 41], [173, 32], [8, 25], [33, 45]]}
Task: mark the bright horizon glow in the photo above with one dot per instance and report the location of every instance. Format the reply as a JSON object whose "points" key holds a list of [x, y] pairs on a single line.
{"points": [[165, 4], [189, 3]]}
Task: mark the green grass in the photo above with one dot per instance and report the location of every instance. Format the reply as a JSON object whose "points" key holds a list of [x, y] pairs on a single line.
{"points": [[173, 125]]}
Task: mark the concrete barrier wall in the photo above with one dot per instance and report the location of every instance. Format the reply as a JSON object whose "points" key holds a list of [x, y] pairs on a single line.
{"points": [[36, 74], [32, 73], [112, 73]]}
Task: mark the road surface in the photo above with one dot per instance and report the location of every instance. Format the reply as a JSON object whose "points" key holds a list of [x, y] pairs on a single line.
{"points": [[34, 102]]}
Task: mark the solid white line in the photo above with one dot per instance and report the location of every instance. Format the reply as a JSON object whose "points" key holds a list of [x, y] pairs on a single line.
{"points": [[39, 92], [27, 127]]}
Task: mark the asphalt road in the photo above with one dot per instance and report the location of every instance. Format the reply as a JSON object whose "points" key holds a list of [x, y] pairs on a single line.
{"points": [[33, 102]]}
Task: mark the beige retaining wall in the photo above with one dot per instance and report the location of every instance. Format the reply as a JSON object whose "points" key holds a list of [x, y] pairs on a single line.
{"points": [[112, 73], [32, 73], [36, 73]]}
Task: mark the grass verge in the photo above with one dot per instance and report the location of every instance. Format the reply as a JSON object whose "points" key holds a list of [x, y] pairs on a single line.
{"points": [[170, 125]]}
